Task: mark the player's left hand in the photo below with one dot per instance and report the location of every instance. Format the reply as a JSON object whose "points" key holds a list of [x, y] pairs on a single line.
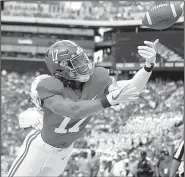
{"points": [[37, 125], [148, 52], [123, 95]]}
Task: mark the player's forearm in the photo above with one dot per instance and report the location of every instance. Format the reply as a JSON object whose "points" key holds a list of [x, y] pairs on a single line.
{"points": [[78, 110], [174, 167], [86, 108], [140, 79]]}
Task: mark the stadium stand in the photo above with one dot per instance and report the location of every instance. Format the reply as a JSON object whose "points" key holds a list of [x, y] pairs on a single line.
{"points": [[79, 10], [167, 54]]}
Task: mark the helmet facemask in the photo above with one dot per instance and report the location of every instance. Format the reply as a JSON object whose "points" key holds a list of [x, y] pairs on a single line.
{"points": [[81, 67]]}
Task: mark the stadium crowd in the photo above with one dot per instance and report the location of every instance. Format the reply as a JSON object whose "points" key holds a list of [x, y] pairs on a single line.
{"points": [[87, 10], [115, 138]]}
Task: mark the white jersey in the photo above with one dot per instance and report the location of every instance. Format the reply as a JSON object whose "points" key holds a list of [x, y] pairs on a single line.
{"points": [[31, 118]]}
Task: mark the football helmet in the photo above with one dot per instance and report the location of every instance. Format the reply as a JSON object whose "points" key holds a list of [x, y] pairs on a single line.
{"points": [[34, 94], [68, 60]]}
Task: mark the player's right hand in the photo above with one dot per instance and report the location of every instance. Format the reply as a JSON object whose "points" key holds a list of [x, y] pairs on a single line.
{"points": [[121, 95], [149, 52]]}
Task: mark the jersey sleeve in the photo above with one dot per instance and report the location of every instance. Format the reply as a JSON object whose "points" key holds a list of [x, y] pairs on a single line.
{"points": [[49, 87]]}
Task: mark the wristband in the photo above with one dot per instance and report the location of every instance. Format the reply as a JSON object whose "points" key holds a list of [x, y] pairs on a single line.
{"points": [[149, 69], [105, 103]]}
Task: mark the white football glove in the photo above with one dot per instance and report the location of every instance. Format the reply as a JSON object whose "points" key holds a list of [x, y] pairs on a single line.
{"points": [[121, 95], [114, 85], [148, 52], [38, 124]]}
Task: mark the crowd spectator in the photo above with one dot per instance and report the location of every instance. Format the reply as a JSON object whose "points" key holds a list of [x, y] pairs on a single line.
{"points": [[94, 164], [83, 164], [120, 167], [161, 158], [144, 168], [133, 166], [164, 165]]}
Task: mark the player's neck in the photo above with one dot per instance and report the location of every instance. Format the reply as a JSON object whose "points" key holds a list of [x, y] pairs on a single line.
{"points": [[78, 85]]}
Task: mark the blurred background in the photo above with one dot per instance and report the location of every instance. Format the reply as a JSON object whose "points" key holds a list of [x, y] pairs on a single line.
{"points": [[117, 140]]}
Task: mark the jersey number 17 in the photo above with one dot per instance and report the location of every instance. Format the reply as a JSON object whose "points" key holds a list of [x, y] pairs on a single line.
{"points": [[74, 129]]}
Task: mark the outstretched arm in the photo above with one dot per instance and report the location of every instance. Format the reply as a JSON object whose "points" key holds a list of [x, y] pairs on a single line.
{"points": [[81, 109], [72, 109], [141, 78]]}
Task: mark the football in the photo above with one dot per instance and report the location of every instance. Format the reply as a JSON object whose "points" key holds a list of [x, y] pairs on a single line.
{"points": [[162, 16]]}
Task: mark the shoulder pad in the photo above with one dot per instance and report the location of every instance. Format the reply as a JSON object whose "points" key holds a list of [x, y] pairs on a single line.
{"points": [[49, 87]]}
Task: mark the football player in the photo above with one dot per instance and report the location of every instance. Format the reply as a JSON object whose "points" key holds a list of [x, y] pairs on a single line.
{"points": [[32, 118], [69, 99]]}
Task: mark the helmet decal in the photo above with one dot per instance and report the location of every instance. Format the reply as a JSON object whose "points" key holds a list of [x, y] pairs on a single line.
{"points": [[54, 54]]}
